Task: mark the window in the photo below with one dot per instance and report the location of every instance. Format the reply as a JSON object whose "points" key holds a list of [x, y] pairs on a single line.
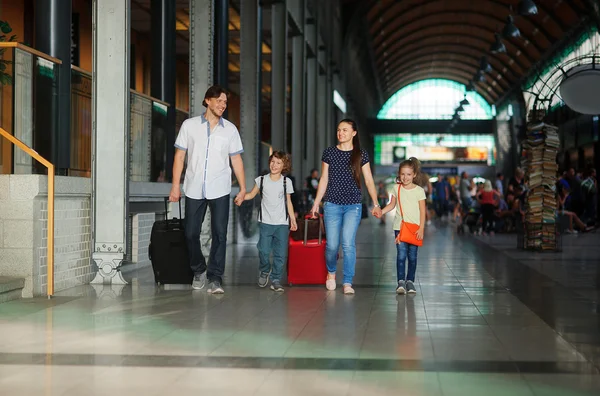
{"points": [[434, 99]]}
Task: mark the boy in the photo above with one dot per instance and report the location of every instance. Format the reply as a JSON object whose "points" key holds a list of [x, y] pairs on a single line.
{"points": [[276, 217]]}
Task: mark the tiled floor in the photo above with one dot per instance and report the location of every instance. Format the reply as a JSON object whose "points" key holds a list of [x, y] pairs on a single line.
{"points": [[487, 319]]}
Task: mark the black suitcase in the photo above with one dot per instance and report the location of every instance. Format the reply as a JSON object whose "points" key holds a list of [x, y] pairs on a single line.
{"points": [[168, 251]]}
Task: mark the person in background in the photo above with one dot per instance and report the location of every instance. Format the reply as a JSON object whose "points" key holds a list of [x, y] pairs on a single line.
{"points": [[589, 188], [442, 196], [488, 199], [312, 182], [500, 183]]}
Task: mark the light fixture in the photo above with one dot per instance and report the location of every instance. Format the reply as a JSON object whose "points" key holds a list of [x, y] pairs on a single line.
{"points": [[484, 65], [527, 7], [460, 109], [510, 29], [464, 102], [479, 77], [498, 45], [579, 88]]}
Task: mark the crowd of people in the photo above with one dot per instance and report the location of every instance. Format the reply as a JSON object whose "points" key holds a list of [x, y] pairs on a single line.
{"points": [[488, 207]]}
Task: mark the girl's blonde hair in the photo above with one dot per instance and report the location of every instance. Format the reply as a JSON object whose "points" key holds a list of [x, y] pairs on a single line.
{"points": [[487, 186], [413, 164]]}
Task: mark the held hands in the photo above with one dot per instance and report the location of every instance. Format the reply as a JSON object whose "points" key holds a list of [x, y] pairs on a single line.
{"points": [[239, 198], [377, 212]]}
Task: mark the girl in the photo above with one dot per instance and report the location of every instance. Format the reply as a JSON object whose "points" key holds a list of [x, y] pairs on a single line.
{"points": [[488, 198], [341, 188], [276, 218], [412, 205]]}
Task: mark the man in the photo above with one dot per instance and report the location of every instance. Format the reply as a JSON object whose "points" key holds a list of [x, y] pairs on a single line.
{"points": [[210, 141]]}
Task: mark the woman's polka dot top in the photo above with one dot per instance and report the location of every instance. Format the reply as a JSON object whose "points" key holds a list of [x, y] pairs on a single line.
{"points": [[341, 187]]}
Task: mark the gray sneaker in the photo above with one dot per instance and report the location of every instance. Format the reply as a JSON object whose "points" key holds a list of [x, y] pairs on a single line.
{"points": [[410, 288], [215, 288], [263, 279], [199, 281], [401, 288], [276, 286]]}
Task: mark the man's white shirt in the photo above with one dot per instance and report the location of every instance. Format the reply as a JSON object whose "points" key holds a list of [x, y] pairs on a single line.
{"points": [[208, 173]]}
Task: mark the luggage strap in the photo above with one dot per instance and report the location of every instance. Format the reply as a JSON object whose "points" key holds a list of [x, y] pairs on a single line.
{"points": [[262, 180]]}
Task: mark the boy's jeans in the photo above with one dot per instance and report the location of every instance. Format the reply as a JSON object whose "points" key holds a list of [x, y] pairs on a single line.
{"points": [[341, 221], [273, 238]]}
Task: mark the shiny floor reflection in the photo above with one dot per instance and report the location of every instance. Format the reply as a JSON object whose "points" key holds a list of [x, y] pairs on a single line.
{"points": [[485, 319]]}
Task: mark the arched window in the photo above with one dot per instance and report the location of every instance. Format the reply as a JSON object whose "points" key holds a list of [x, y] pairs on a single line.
{"points": [[434, 99]]}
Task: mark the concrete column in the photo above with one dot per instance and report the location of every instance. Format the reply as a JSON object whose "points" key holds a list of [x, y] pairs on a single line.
{"points": [[313, 156], [163, 79], [279, 17], [201, 56], [322, 102], [110, 127], [53, 37], [221, 30], [250, 69], [298, 137], [201, 76]]}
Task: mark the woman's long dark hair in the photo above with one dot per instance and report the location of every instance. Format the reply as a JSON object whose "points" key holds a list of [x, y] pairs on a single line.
{"points": [[355, 158]]}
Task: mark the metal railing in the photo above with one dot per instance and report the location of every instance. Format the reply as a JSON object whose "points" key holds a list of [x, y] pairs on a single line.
{"points": [[50, 229]]}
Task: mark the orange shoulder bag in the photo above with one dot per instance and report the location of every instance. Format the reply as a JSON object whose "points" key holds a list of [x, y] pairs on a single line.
{"points": [[408, 231]]}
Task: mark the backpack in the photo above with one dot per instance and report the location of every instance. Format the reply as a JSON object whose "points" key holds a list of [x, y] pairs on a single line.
{"points": [[262, 178]]}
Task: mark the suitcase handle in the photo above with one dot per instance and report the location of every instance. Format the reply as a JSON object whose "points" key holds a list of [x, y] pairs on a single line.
{"points": [[307, 218], [167, 211]]}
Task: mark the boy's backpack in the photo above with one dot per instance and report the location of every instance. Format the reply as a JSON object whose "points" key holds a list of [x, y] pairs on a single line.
{"points": [[262, 178]]}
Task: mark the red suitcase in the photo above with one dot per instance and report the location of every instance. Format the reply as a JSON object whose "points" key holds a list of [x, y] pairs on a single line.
{"points": [[306, 258]]}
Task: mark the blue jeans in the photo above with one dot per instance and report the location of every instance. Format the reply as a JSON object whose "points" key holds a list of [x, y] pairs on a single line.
{"points": [[341, 221], [273, 238], [406, 250], [195, 210]]}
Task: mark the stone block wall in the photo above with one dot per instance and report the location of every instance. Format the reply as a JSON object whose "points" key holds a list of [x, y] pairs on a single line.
{"points": [[23, 231], [141, 229]]}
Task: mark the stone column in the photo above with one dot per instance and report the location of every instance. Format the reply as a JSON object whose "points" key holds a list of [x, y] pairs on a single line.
{"points": [[279, 17], [110, 128]]}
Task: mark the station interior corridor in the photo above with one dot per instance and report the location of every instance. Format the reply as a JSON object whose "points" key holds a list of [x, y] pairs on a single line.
{"points": [[487, 319]]}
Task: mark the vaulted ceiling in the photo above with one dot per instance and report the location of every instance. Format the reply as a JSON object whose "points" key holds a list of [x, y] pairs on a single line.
{"points": [[414, 40]]}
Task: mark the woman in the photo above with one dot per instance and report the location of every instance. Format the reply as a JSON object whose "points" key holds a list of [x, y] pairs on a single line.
{"points": [[340, 188], [488, 198]]}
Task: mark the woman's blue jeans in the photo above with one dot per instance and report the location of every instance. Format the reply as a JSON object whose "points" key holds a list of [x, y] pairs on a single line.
{"points": [[341, 223], [406, 251]]}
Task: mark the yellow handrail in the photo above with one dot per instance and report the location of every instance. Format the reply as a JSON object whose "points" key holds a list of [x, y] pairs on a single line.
{"points": [[13, 44], [50, 244]]}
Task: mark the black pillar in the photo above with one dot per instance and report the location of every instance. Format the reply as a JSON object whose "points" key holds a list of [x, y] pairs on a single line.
{"points": [[221, 42], [53, 37], [162, 85]]}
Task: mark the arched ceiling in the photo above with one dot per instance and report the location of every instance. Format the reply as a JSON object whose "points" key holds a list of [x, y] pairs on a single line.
{"points": [[416, 39]]}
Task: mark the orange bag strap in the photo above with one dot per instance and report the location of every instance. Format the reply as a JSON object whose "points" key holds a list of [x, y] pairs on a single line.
{"points": [[401, 214]]}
